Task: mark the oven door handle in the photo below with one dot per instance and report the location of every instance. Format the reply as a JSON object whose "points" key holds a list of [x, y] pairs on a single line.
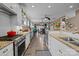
{"points": [[18, 44]]}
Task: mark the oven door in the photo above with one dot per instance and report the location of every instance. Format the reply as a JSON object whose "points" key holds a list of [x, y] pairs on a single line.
{"points": [[20, 47]]}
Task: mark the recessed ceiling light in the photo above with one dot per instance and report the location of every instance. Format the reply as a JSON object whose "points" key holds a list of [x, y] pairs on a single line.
{"points": [[33, 6], [71, 6], [49, 6]]}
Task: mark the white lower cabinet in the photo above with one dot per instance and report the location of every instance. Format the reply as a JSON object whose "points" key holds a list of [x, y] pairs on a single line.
{"points": [[49, 45], [31, 33], [27, 39], [7, 51], [67, 51], [57, 48], [54, 47]]}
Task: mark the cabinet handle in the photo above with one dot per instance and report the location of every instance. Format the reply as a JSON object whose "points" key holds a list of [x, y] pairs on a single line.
{"points": [[5, 51], [60, 51]]}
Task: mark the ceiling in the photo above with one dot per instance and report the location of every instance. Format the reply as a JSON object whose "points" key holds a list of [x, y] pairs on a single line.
{"points": [[39, 10]]}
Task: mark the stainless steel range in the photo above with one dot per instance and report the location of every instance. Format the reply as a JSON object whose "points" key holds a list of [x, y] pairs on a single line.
{"points": [[19, 45]]}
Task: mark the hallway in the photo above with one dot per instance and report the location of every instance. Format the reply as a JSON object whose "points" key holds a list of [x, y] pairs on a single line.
{"points": [[37, 47]]}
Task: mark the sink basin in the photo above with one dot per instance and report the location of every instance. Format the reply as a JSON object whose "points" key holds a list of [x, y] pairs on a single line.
{"points": [[68, 39], [71, 40], [75, 43]]}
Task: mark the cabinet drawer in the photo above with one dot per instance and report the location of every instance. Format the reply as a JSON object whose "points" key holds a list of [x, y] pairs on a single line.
{"points": [[66, 50], [54, 46], [58, 48], [27, 39], [6, 50]]}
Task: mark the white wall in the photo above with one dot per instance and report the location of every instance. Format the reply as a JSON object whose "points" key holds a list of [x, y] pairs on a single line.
{"points": [[4, 23], [70, 13]]}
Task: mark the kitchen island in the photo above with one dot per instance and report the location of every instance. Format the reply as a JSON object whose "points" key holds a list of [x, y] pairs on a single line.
{"points": [[59, 45]]}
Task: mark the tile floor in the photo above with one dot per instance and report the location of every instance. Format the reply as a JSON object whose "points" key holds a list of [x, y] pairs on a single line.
{"points": [[37, 47]]}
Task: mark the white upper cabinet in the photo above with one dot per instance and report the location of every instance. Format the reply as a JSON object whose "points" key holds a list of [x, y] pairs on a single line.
{"points": [[13, 9], [11, 6], [16, 8], [19, 14]]}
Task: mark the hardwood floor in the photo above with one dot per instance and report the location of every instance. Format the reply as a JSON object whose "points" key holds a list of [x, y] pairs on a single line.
{"points": [[37, 47]]}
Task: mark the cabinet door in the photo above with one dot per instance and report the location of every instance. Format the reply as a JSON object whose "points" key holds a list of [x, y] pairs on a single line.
{"points": [[27, 39], [64, 49], [15, 7], [11, 6], [53, 46], [31, 34], [67, 51], [49, 45], [7, 5], [56, 48], [7, 51]]}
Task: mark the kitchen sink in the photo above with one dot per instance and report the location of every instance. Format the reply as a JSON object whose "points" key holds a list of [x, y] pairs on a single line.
{"points": [[67, 38], [75, 43], [71, 40]]}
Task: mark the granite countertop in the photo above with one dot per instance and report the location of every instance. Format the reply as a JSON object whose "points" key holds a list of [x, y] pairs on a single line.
{"points": [[73, 46], [5, 40], [4, 44]]}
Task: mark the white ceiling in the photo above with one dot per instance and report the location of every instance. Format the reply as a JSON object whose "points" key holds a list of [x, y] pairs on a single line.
{"points": [[41, 9]]}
